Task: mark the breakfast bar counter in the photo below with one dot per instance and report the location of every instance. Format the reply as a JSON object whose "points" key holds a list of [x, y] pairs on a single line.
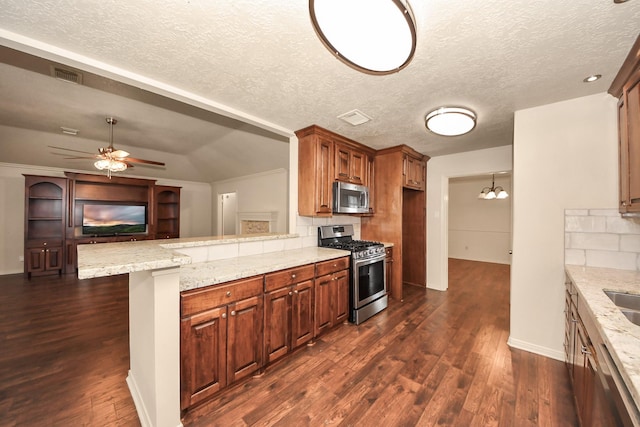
{"points": [[158, 271]]}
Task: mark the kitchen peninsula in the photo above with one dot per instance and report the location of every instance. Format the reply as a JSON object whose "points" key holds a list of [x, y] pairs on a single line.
{"points": [[159, 271]]}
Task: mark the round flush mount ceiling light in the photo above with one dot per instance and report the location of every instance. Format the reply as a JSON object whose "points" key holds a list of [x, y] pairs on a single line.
{"points": [[372, 36], [450, 121]]}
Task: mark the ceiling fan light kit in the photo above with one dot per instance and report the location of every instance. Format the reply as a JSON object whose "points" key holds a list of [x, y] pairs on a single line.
{"points": [[373, 36], [451, 121]]}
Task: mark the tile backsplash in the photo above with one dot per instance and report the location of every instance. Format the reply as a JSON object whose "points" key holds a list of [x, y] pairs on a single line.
{"points": [[601, 238]]}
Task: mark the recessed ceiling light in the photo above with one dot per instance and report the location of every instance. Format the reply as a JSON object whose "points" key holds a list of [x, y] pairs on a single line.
{"points": [[69, 131], [355, 117], [592, 78], [450, 121]]}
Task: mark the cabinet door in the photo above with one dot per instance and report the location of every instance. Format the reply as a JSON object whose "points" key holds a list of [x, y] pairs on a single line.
{"points": [[389, 268], [302, 313], [632, 95], [342, 167], [340, 297], [324, 176], [623, 152], [203, 352], [323, 303], [358, 167], [35, 260], [53, 258], [582, 376], [244, 338], [277, 323]]}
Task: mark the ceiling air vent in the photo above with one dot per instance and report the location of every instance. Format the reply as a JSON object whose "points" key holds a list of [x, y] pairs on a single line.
{"points": [[66, 75], [355, 117]]}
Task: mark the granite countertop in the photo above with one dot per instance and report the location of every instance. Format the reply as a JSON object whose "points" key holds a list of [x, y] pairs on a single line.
{"points": [[224, 270], [109, 259], [620, 335]]}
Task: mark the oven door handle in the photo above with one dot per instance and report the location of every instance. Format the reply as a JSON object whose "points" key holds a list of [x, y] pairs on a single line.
{"points": [[360, 262]]}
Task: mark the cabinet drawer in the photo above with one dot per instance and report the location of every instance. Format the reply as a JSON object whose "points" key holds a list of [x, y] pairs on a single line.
{"points": [[333, 265], [280, 279], [198, 300], [41, 243]]}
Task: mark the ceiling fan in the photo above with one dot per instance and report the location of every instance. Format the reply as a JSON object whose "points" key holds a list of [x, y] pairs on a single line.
{"points": [[108, 158]]}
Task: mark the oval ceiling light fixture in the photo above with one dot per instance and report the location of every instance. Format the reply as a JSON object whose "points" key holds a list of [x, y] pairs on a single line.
{"points": [[373, 36], [451, 121]]}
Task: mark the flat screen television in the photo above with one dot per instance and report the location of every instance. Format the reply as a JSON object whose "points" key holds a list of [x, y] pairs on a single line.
{"points": [[104, 220]]}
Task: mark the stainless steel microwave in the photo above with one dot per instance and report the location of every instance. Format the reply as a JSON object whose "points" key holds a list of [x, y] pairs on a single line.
{"points": [[350, 198]]}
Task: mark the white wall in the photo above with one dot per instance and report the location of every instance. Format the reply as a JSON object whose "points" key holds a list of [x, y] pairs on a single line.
{"points": [[439, 170], [263, 192], [479, 230], [565, 157], [195, 210]]}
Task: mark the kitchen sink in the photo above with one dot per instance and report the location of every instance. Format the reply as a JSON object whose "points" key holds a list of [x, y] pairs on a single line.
{"points": [[629, 304]]}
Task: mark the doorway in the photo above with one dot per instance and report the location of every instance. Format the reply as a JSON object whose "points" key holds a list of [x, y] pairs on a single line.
{"points": [[479, 229], [227, 214]]}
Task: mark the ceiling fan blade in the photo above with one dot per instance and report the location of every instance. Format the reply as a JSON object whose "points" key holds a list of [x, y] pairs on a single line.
{"points": [[148, 162], [70, 149], [119, 153], [77, 158], [93, 156]]}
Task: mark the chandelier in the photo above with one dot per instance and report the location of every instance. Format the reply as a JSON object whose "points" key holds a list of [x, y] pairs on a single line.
{"points": [[372, 36], [493, 192]]}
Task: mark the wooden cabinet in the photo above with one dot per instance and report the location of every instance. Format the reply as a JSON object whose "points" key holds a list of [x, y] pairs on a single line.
{"points": [[350, 164], [414, 172], [54, 215], [388, 261], [325, 157], [331, 294], [400, 215], [598, 401], [166, 212], [626, 87], [289, 301], [221, 333], [44, 228], [315, 174]]}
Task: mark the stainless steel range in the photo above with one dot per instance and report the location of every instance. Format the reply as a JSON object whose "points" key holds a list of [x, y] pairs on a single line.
{"points": [[367, 284]]}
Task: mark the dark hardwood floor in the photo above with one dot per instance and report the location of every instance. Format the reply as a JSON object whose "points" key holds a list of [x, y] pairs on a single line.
{"points": [[439, 358]]}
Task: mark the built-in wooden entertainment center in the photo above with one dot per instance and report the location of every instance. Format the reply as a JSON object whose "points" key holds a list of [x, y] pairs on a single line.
{"points": [[53, 222]]}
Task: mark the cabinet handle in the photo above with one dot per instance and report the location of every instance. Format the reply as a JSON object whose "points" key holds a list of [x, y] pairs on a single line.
{"points": [[224, 315], [584, 350], [293, 276], [228, 293], [233, 312], [295, 292], [44, 244], [290, 293], [43, 250]]}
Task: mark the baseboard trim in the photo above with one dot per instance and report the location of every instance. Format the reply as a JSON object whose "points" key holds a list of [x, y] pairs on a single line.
{"points": [[145, 420], [537, 349]]}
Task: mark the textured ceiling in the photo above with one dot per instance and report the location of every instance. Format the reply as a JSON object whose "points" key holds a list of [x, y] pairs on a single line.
{"points": [[262, 58]]}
